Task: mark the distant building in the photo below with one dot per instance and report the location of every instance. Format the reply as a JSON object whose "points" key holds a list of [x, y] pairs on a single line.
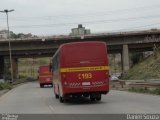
{"points": [[80, 31], [22, 35], [3, 34]]}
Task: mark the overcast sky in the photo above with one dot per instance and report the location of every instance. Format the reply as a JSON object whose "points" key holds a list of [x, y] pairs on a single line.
{"points": [[57, 17]]}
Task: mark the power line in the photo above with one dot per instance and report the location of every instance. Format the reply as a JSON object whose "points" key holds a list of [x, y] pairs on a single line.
{"points": [[131, 28], [143, 26], [92, 21], [84, 15], [87, 22]]}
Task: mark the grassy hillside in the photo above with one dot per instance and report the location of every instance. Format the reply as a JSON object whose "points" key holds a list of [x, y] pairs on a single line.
{"points": [[147, 69]]}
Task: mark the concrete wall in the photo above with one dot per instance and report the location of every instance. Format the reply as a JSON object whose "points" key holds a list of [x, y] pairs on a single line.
{"points": [[125, 59]]}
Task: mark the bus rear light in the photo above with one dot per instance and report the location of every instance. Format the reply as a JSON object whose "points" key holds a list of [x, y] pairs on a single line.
{"points": [[65, 83], [107, 74]]}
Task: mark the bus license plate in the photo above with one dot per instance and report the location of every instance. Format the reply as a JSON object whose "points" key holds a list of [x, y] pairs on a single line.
{"points": [[86, 83]]}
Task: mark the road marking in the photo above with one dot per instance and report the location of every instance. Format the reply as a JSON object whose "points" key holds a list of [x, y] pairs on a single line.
{"points": [[51, 107]]}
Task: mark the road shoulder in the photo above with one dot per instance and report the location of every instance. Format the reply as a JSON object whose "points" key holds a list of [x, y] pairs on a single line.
{"points": [[2, 92]]}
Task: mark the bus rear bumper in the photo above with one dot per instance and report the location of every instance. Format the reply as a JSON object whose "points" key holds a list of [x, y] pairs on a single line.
{"points": [[86, 89]]}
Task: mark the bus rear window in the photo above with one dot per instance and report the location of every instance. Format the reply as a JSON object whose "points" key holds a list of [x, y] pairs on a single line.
{"points": [[44, 69], [84, 53]]}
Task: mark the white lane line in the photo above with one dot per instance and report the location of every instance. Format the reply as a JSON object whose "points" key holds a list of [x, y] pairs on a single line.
{"points": [[51, 107]]}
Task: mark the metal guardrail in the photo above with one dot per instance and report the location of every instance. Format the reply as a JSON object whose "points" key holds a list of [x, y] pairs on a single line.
{"points": [[145, 85], [138, 83], [122, 83]]}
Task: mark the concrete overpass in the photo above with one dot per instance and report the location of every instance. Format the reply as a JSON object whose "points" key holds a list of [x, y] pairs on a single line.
{"points": [[120, 42]]}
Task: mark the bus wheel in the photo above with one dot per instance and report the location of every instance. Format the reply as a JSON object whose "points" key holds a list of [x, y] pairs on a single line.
{"points": [[98, 98], [92, 98], [85, 95], [41, 85], [57, 96], [61, 99], [66, 100]]}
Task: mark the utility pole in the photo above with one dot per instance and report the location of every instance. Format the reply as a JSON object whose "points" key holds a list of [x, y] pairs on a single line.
{"points": [[114, 55], [8, 36]]}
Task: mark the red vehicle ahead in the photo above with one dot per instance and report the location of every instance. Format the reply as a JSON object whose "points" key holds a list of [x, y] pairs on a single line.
{"points": [[81, 69], [45, 76]]}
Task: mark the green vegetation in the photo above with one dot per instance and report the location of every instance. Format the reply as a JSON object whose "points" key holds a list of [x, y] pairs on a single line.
{"points": [[136, 57], [28, 67], [149, 68], [115, 63], [5, 85], [144, 90]]}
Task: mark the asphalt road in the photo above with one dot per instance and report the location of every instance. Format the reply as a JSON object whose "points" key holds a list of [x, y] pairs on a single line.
{"points": [[30, 98]]}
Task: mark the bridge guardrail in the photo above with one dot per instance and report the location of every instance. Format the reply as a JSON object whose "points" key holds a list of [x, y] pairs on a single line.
{"points": [[146, 84], [135, 83]]}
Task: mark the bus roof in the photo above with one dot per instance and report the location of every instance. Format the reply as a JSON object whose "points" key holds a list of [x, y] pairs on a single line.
{"points": [[74, 43]]}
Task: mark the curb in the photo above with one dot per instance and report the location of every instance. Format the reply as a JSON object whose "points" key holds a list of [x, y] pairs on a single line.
{"points": [[2, 92]]}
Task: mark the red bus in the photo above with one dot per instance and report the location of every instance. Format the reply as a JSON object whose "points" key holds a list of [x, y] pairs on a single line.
{"points": [[45, 76], [81, 69]]}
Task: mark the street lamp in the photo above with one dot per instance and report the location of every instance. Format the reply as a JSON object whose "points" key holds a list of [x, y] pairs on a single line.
{"points": [[8, 36]]}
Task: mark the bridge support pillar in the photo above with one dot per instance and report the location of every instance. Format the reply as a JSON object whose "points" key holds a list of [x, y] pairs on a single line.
{"points": [[125, 59], [15, 68], [1, 67]]}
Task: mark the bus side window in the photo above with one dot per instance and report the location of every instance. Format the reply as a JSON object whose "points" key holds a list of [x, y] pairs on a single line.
{"points": [[50, 68], [56, 63]]}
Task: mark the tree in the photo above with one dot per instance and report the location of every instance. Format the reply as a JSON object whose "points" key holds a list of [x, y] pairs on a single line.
{"points": [[136, 57]]}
